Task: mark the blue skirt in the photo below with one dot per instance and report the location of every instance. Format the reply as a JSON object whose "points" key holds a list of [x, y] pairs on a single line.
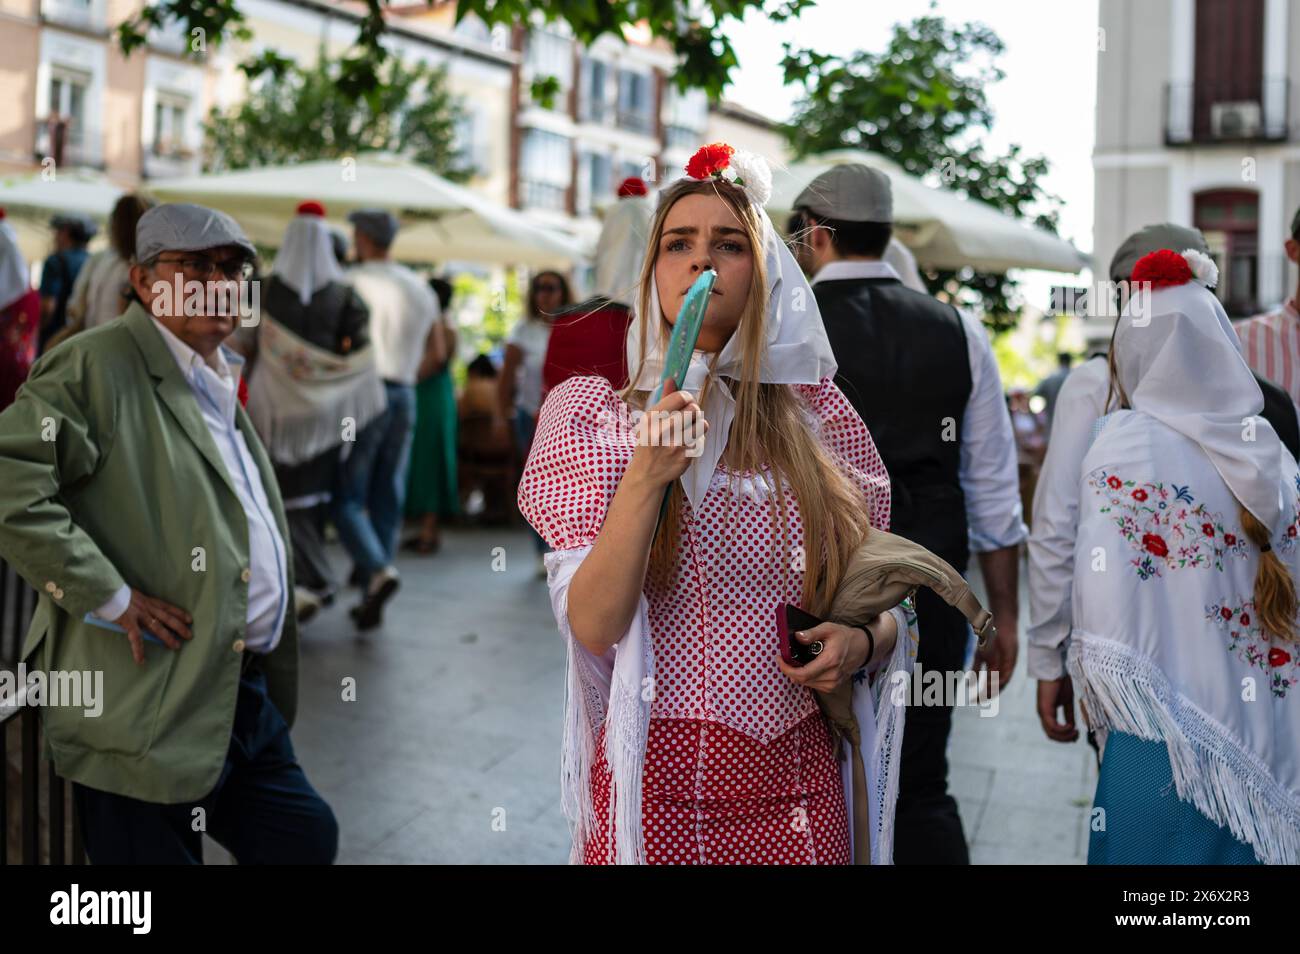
{"points": [[1146, 823]]}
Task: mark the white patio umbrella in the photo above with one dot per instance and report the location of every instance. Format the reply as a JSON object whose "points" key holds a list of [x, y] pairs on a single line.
{"points": [[943, 229], [30, 200], [441, 220]]}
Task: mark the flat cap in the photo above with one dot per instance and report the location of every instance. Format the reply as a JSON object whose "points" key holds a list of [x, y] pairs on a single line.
{"points": [[1151, 238], [182, 227], [379, 225], [852, 192]]}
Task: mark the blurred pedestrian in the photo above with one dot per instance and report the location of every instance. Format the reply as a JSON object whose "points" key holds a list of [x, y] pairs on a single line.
{"points": [[1185, 648], [315, 382], [520, 382], [591, 336], [485, 444], [924, 379], [1050, 386], [100, 292], [431, 491], [20, 315], [371, 493], [1271, 343], [59, 273]]}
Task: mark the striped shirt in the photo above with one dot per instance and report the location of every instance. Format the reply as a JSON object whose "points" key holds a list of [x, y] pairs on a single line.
{"points": [[1271, 346]]}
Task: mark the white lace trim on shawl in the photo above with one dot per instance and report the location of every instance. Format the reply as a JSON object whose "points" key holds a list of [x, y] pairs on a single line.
{"points": [[1125, 691], [615, 690]]}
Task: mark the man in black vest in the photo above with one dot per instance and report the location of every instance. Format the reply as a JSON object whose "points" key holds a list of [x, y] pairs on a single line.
{"points": [[924, 380]]}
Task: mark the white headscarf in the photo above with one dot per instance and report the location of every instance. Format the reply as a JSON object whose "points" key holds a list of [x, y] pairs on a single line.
{"points": [[904, 262], [1180, 361], [306, 261], [797, 352], [621, 249], [14, 280]]}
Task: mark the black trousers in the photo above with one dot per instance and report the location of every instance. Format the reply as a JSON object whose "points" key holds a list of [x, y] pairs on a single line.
{"points": [[927, 827], [263, 809]]}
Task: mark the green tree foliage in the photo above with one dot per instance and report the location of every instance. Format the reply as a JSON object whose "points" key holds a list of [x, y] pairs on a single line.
{"points": [[921, 103], [297, 114], [696, 29]]}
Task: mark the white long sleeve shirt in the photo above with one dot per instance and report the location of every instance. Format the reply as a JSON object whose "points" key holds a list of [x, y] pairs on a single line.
{"points": [[1082, 399], [987, 472], [215, 383]]}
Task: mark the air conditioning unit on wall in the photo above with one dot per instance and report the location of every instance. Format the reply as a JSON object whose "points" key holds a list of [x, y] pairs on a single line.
{"points": [[1235, 120]]}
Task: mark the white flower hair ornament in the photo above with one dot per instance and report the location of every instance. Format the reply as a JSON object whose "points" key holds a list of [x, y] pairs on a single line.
{"points": [[747, 170], [1203, 268]]}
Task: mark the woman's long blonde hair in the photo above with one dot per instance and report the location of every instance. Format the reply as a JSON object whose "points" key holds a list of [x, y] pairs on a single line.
{"points": [[769, 428]]}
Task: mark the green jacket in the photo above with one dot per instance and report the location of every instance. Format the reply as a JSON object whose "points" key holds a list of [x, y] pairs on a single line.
{"points": [[108, 474]]}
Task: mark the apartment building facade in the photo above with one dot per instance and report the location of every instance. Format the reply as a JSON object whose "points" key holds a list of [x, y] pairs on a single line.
{"points": [[1198, 122]]}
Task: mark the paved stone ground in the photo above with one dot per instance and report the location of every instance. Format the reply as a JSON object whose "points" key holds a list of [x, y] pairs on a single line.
{"points": [[450, 751]]}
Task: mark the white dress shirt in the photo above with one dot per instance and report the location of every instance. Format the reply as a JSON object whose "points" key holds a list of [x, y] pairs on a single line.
{"points": [[402, 310], [215, 383], [1081, 400], [988, 473]]}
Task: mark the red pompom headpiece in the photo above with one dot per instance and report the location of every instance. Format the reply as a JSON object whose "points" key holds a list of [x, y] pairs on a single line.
{"points": [[1163, 268], [632, 185], [311, 207]]}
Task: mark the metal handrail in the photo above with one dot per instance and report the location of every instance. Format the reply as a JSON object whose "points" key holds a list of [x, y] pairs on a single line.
{"points": [[17, 604]]}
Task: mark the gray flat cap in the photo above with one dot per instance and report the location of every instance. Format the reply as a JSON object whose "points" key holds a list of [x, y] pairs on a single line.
{"points": [[379, 225], [81, 226], [1151, 238], [182, 227], [850, 193]]}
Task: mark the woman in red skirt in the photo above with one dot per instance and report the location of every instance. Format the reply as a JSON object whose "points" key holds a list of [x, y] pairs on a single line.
{"points": [[688, 740]]}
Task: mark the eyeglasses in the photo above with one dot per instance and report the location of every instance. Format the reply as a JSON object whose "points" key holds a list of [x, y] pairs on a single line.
{"points": [[200, 267], [547, 287]]}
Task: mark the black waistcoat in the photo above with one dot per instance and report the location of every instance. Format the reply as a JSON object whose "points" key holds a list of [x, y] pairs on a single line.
{"points": [[904, 365]]}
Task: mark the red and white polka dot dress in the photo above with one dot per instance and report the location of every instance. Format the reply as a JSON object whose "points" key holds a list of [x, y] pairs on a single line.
{"points": [[739, 763]]}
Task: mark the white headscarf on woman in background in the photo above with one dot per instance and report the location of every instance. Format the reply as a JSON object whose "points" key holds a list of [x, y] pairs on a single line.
{"points": [[1169, 642], [306, 261], [14, 278]]}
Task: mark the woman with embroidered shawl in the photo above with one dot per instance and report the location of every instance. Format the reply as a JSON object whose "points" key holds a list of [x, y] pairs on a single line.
{"points": [[1183, 640], [687, 739], [314, 382]]}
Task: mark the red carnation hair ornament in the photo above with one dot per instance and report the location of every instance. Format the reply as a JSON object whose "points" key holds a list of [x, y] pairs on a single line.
{"points": [[743, 169], [709, 160], [311, 207], [632, 185], [1165, 268]]}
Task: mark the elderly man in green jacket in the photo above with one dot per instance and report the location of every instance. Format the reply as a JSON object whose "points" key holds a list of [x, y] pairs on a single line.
{"points": [[140, 503]]}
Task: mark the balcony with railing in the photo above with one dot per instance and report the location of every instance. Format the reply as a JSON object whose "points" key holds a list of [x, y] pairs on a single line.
{"points": [[59, 138], [1207, 113]]}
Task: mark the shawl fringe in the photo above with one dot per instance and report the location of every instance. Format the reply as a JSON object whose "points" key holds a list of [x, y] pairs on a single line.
{"points": [[1125, 691]]}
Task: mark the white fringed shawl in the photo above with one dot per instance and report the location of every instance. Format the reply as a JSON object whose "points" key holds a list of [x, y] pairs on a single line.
{"points": [[615, 690], [1166, 643]]}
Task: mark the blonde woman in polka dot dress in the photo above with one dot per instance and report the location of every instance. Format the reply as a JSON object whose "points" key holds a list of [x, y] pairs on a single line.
{"points": [[688, 740]]}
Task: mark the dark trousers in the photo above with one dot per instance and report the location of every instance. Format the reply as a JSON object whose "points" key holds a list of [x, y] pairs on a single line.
{"points": [[927, 827], [262, 810], [311, 564]]}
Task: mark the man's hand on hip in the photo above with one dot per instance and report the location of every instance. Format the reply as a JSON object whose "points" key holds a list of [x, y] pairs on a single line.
{"points": [[145, 613]]}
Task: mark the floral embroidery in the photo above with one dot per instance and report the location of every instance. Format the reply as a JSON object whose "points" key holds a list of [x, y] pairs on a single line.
{"points": [[1248, 642], [1165, 525]]}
